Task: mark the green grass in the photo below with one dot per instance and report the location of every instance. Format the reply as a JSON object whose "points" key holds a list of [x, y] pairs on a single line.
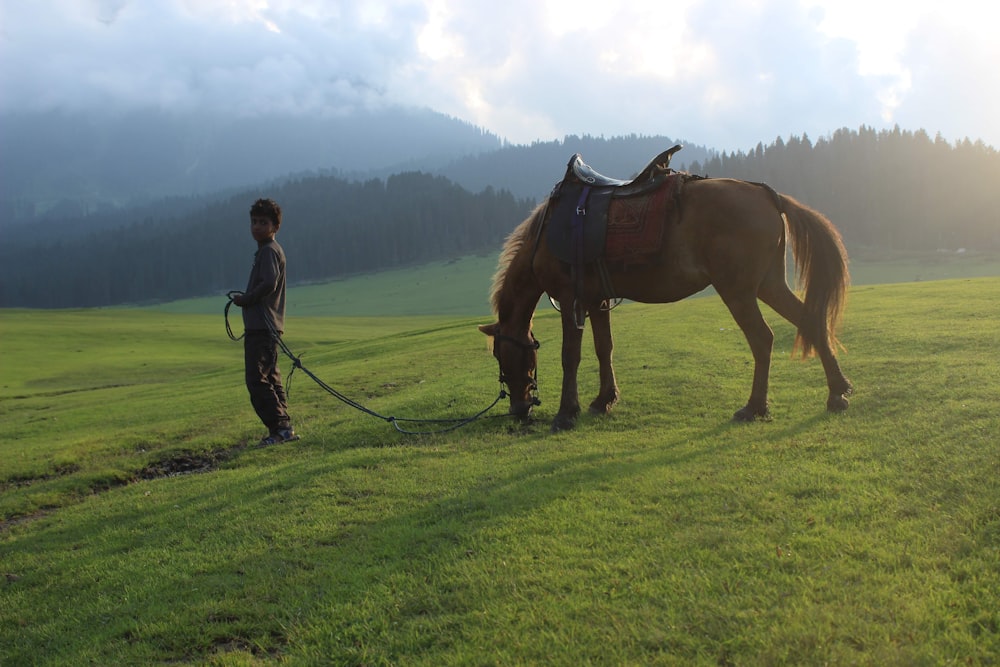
{"points": [[454, 287], [663, 534]]}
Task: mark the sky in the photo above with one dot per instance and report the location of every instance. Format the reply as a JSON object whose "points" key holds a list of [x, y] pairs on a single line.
{"points": [[725, 74]]}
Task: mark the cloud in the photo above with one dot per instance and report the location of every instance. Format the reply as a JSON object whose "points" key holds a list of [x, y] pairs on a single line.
{"points": [[722, 74], [233, 57], [954, 86], [694, 72]]}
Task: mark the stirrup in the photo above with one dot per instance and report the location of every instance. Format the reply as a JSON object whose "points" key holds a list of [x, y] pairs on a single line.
{"points": [[579, 314]]}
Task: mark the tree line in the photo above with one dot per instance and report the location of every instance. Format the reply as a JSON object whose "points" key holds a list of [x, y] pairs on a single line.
{"points": [[887, 191], [331, 227]]}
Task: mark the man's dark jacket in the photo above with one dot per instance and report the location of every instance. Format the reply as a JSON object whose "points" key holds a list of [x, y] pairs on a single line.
{"points": [[264, 305]]}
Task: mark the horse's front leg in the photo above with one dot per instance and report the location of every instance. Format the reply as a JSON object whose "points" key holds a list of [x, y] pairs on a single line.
{"points": [[569, 403], [600, 322]]}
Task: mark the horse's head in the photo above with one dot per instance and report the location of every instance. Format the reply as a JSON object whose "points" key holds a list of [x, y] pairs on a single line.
{"points": [[518, 358]]}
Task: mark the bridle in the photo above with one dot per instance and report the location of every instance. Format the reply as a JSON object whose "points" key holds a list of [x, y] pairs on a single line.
{"points": [[531, 346]]}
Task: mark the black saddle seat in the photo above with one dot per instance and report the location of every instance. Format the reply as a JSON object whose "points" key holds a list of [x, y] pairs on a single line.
{"points": [[659, 165]]}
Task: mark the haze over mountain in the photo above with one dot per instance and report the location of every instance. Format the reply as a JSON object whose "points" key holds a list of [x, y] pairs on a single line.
{"points": [[60, 164], [76, 162], [117, 100]]}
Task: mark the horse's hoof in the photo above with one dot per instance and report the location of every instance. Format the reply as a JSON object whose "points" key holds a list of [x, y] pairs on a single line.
{"points": [[837, 403], [601, 407], [563, 424], [747, 414]]}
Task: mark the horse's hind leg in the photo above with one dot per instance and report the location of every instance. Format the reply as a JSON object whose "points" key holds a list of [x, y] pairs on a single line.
{"points": [[778, 296], [747, 314], [600, 323]]}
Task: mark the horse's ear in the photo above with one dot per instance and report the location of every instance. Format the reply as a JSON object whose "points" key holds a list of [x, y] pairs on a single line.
{"points": [[491, 331]]}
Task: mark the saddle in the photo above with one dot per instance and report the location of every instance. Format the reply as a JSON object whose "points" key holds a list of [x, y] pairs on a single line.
{"points": [[646, 178], [594, 218]]}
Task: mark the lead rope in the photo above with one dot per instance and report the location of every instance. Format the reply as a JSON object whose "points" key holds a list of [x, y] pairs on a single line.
{"points": [[453, 423]]}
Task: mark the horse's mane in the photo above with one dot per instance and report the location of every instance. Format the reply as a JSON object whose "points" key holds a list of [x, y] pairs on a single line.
{"points": [[511, 247]]}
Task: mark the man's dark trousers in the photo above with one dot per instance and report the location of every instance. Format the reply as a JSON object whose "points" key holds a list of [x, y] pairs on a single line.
{"points": [[267, 395]]}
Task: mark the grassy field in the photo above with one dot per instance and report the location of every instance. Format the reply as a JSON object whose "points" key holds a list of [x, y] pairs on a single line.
{"points": [[459, 287], [139, 527]]}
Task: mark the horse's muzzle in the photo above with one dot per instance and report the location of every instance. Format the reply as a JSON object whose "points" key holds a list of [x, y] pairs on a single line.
{"points": [[521, 409]]}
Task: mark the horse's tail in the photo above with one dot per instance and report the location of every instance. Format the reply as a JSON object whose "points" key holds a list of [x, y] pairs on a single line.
{"points": [[821, 268]]}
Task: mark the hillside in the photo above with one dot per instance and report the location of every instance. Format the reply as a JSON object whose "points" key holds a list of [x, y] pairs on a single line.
{"points": [[332, 228]]}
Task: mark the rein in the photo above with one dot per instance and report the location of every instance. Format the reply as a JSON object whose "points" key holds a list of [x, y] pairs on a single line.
{"points": [[229, 329], [452, 423]]}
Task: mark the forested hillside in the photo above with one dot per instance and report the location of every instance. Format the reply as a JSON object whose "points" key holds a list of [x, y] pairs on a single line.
{"points": [[886, 191], [331, 227]]}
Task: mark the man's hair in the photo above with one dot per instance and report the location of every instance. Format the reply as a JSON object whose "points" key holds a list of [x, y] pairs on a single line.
{"points": [[267, 208]]}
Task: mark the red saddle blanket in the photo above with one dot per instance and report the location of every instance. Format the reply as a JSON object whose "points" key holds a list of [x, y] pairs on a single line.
{"points": [[636, 225]]}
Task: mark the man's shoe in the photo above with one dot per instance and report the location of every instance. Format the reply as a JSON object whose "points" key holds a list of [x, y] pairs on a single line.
{"points": [[287, 434], [278, 437]]}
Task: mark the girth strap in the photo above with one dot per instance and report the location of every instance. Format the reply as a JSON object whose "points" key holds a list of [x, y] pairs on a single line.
{"points": [[579, 218]]}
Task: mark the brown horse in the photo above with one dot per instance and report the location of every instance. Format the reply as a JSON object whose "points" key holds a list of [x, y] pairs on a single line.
{"points": [[726, 233]]}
